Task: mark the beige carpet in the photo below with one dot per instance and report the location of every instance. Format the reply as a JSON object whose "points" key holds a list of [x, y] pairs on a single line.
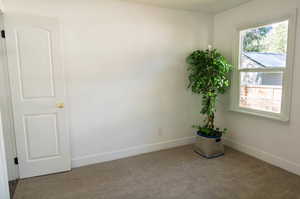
{"points": [[171, 174]]}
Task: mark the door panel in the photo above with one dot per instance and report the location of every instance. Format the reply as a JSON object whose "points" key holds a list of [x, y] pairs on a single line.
{"points": [[34, 57], [38, 92], [41, 145]]}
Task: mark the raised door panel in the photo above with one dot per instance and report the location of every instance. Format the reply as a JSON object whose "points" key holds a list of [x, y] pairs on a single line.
{"points": [[41, 136], [35, 62]]}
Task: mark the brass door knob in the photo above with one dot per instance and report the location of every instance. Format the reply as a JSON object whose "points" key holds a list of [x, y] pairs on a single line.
{"points": [[60, 105]]}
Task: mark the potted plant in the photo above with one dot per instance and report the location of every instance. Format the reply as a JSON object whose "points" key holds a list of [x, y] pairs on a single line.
{"points": [[208, 75]]}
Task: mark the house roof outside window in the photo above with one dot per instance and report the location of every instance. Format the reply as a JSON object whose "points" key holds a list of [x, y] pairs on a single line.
{"points": [[267, 59]]}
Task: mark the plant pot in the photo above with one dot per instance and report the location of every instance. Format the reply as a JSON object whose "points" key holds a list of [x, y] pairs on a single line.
{"points": [[209, 146]]}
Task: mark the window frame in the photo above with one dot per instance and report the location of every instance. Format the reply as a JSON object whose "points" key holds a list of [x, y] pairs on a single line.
{"points": [[284, 115]]}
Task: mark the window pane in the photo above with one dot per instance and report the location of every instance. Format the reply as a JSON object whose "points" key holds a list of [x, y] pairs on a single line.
{"points": [[261, 91], [265, 46]]}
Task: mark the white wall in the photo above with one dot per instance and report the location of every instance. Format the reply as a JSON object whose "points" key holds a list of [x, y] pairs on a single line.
{"points": [[125, 66], [273, 141]]}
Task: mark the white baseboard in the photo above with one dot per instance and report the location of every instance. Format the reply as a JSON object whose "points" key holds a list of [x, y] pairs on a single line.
{"points": [[265, 156], [132, 151]]}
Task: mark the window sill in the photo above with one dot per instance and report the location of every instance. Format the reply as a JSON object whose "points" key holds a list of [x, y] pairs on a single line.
{"points": [[273, 116]]}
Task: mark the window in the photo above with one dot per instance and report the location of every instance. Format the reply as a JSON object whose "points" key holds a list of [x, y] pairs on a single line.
{"points": [[261, 80]]}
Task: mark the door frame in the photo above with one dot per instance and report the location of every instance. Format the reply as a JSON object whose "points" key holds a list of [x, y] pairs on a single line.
{"points": [[4, 189], [4, 178], [10, 139]]}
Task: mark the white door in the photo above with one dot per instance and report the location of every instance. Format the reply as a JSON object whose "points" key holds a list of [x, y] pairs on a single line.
{"points": [[38, 92]]}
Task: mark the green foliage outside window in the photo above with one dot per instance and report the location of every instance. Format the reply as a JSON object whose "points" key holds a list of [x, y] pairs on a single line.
{"points": [[267, 39], [253, 40]]}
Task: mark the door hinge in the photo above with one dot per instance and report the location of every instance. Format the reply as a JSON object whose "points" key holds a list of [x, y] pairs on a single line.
{"points": [[16, 160], [3, 33]]}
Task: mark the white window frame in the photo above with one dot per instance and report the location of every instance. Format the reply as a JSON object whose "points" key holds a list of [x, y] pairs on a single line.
{"points": [[284, 115]]}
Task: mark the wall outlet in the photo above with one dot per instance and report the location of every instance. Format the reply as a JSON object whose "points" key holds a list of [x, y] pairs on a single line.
{"points": [[160, 132]]}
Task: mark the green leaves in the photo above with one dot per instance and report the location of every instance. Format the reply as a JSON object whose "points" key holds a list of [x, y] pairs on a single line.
{"points": [[253, 40], [208, 71], [209, 76], [211, 131]]}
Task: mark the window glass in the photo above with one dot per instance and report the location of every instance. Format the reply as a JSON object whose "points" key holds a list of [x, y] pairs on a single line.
{"points": [[264, 47], [261, 91]]}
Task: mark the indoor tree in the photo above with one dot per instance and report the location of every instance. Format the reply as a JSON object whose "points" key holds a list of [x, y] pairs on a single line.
{"points": [[208, 75]]}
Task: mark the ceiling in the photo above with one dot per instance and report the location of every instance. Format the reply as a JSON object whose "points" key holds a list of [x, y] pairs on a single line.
{"points": [[211, 6]]}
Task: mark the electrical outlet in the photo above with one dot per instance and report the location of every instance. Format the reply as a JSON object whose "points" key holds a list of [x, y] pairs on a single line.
{"points": [[160, 132]]}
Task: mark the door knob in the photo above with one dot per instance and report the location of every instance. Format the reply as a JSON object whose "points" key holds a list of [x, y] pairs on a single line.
{"points": [[60, 105]]}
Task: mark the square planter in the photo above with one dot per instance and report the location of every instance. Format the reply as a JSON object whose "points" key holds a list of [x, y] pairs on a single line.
{"points": [[209, 146]]}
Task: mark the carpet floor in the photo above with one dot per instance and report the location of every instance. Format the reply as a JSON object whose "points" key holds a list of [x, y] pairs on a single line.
{"points": [[170, 174]]}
